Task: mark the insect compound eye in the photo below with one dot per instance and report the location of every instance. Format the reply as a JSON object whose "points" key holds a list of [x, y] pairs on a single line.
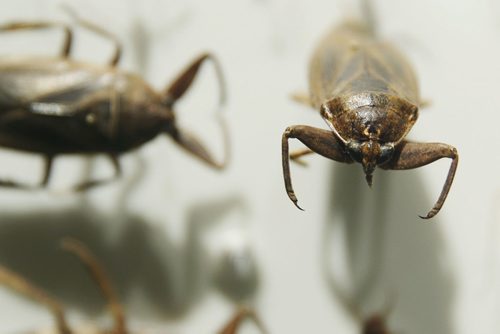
{"points": [[386, 152], [354, 149]]}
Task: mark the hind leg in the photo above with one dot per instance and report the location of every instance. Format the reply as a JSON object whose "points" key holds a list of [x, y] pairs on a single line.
{"points": [[68, 33]]}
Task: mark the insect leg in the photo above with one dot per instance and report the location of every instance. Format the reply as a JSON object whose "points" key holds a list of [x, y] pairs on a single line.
{"points": [[242, 314], [413, 155], [15, 282], [16, 185], [99, 31], [181, 84], [68, 34], [194, 146], [19, 185], [176, 90], [295, 156], [425, 104], [302, 98], [93, 183], [99, 275], [49, 159], [317, 140]]}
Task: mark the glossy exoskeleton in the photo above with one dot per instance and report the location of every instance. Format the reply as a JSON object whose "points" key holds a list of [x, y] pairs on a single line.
{"points": [[57, 105], [367, 93]]}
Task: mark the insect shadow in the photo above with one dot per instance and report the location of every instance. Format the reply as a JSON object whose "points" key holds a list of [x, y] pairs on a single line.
{"points": [[385, 252], [236, 274], [22, 285], [139, 256]]}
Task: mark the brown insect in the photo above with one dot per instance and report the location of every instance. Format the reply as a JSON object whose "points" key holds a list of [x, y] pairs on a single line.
{"points": [[19, 284], [367, 94], [376, 323], [56, 105]]}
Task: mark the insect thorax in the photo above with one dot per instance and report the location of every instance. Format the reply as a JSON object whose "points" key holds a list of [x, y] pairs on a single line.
{"points": [[370, 116]]}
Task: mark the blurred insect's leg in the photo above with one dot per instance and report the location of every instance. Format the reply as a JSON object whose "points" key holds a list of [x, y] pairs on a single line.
{"points": [[117, 53], [194, 146], [297, 155], [182, 83], [176, 90], [96, 270], [84, 186], [22, 186], [302, 98], [68, 33], [16, 185], [242, 314], [48, 159], [17, 283]]}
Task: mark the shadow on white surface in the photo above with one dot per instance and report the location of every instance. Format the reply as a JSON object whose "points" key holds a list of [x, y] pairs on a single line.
{"points": [[388, 255], [141, 259]]}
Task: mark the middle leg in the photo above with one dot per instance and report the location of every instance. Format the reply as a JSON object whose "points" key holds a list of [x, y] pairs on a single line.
{"points": [[98, 182]]}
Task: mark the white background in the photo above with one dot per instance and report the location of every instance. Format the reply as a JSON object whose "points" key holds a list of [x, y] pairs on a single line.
{"points": [[164, 230]]}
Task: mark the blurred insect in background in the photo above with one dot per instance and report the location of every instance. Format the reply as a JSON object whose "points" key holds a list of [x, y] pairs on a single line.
{"points": [[367, 93], [56, 105], [19, 284], [375, 324]]}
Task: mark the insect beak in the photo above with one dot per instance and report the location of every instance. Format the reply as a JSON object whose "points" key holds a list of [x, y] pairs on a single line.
{"points": [[369, 168], [370, 152]]}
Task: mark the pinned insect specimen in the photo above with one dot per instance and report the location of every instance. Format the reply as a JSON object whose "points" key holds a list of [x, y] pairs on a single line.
{"points": [[56, 105], [367, 93], [19, 284]]}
